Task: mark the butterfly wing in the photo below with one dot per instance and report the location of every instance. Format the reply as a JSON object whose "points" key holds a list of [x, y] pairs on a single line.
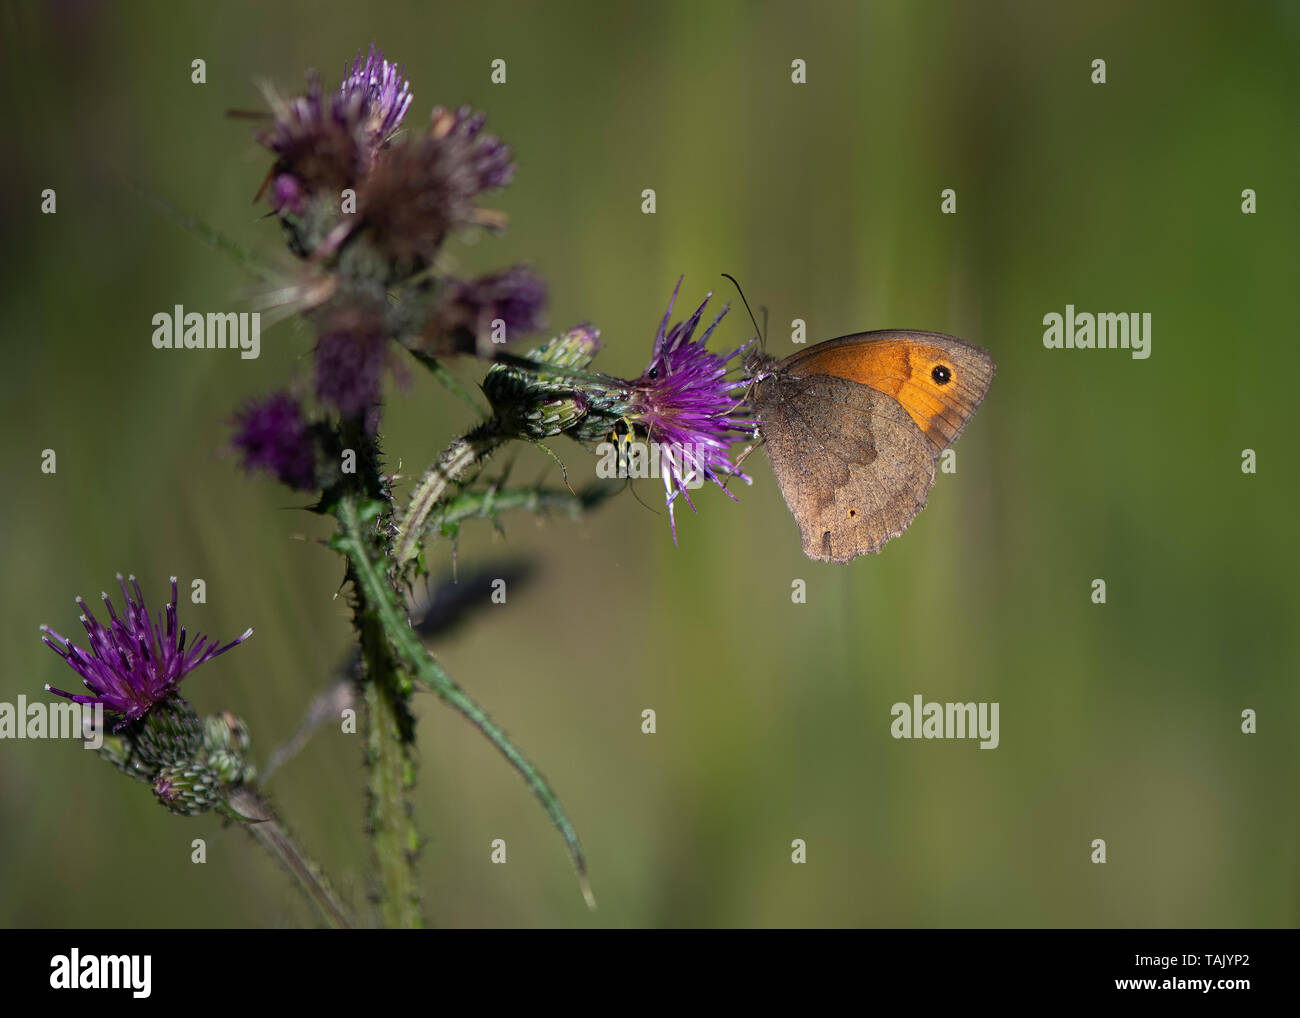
{"points": [[853, 466], [902, 364]]}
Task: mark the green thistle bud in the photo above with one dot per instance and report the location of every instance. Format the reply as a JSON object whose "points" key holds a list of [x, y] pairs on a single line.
{"points": [[541, 404], [192, 765], [188, 789], [575, 349], [226, 741]]}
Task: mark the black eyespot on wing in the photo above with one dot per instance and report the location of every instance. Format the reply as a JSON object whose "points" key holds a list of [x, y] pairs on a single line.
{"points": [[941, 374]]}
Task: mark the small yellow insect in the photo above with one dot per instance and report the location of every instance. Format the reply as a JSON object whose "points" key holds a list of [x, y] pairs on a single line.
{"points": [[622, 436]]}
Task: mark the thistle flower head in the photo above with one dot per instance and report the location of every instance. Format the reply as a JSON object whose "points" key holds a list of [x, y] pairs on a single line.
{"points": [[326, 142], [352, 350], [482, 159], [134, 662], [423, 187], [684, 401], [272, 435], [384, 93], [320, 144], [468, 308]]}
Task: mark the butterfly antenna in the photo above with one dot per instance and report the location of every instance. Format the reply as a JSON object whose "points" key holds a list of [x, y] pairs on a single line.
{"points": [[762, 333]]}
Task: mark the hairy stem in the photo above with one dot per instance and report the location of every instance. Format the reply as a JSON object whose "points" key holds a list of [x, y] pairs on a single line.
{"points": [[390, 740], [385, 689], [455, 464], [271, 835], [381, 598]]}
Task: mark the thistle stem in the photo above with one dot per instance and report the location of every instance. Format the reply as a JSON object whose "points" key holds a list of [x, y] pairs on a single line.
{"points": [[379, 593], [389, 740], [385, 689], [271, 835], [454, 465]]}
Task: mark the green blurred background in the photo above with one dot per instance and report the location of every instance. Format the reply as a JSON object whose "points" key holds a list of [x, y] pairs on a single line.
{"points": [[1119, 721]]}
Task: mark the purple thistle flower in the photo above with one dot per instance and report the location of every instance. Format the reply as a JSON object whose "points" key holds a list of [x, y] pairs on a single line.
{"points": [[351, 354], [468, 308], [272, 435], [385, 94], [134, 662], [685, 402], [327, 142]]}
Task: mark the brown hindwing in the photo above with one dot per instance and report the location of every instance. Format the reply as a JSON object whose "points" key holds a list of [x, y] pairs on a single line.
{"points": [[853, 466]]}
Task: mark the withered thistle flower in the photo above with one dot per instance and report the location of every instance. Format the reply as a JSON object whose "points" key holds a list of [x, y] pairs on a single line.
{"points": [[468, 309], [135, 663], [324, 143], [320, 143], [423, 187]]}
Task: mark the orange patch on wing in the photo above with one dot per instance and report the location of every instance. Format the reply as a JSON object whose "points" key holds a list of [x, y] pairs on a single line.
{"points": [[902, 369]]}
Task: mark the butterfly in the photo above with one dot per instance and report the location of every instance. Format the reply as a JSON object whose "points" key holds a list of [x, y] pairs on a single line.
{"points": [[854, 427]]}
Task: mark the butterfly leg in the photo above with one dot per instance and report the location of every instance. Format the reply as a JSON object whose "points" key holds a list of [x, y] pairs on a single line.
{"points": [[741, 459]]}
